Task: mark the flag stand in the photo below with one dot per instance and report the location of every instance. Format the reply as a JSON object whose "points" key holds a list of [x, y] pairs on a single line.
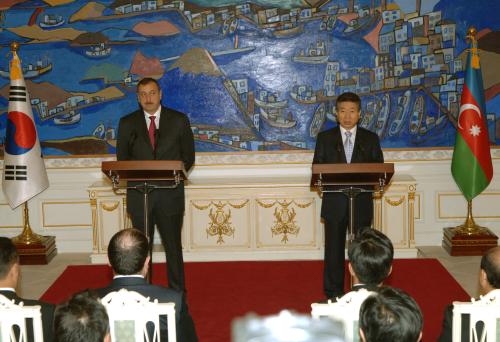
{"points": [[33, 249], [468, 238]]}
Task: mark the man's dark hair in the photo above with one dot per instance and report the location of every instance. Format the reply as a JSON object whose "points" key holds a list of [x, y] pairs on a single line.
{"points": [[147, 80], [390, 315], [348, 97], [8, 256], [490, 263], [127, 251], [371, 254], [82, 319]]}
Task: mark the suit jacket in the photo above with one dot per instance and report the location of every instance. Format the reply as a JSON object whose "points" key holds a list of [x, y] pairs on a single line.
{"points": [[447, 329], [329, 150], [47, 311], [184, 323], [174, 141]]}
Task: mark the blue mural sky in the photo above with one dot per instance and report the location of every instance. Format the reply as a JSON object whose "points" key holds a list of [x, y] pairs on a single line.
{"points": [[259, 81]]}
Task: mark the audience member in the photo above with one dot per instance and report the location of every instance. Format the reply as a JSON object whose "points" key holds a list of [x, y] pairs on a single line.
{"points": [[390, 315], [82, 319], [489, 280], [370, 259], [9, 279], [129, 258]]}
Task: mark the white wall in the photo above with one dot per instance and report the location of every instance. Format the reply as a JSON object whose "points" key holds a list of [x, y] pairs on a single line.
{"points": [[64, 209]]}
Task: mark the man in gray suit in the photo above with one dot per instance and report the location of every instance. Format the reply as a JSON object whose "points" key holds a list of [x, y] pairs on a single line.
{"points": [[155, 132]]}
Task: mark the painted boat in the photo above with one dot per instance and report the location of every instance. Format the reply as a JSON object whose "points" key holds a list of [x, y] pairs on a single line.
{"points": [[51, 20], [68, 119], [401, 113], [276, 118], [383, 116], [314, 54], [318, 120], [417, 115]]}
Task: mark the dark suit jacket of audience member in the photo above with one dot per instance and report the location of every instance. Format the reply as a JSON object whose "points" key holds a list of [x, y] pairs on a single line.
{"points": [[447, 330], [47, 311], [184, 323]]}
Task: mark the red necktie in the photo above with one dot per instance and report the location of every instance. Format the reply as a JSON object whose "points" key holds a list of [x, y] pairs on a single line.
{"points": [[151, 130]]}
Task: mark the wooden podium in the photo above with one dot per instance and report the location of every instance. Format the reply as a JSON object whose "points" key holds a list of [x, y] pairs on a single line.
{"points": [[350, 179], [145, 174]]}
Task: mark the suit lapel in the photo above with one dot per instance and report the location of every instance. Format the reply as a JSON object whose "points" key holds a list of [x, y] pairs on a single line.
{"points": [[339, 145], [142, 129], [358, 142]]}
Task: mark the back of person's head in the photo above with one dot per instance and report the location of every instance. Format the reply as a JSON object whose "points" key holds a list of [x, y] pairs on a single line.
{"points": [[348, 97], [490, 264], [390, 315], [370, 255], [82, 319], [127, 251], [8, 256]]}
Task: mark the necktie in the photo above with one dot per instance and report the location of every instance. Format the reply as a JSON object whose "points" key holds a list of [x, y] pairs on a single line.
{"points": [[348, 146], [151, 130]]}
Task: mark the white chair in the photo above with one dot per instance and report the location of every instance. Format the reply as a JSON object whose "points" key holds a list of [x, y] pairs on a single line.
{"points": [[345, 310], [12, 315], [129, 313], [486, 310]]}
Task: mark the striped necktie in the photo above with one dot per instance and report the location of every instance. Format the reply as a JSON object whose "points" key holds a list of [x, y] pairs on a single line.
{"points": [[348, 146]]}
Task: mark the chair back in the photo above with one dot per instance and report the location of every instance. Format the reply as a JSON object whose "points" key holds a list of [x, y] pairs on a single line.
{"points": [[345, 310], [134, 318], [13, 327], [484, 318]]}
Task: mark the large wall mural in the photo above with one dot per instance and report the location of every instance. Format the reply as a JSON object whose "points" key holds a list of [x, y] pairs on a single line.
{"points": [[251, 75]]}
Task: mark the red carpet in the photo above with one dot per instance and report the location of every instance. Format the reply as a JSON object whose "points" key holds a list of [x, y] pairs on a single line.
{"points": [[220, 291]]}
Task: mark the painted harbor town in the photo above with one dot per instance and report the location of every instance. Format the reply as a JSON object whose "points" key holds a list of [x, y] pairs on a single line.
{"points": [[251, 76]]}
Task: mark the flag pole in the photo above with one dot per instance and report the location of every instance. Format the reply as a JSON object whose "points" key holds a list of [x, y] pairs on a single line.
{"points": [[470, 227], [27, 236]]}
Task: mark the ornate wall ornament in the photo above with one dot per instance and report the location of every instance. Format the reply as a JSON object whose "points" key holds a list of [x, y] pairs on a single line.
{"points": [[284, 223], [111, 207], [220, 224], [395, 203]]}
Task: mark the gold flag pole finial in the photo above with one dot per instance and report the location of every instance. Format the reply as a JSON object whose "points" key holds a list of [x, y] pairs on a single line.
{"points": [[472, 37], [14, 46]]}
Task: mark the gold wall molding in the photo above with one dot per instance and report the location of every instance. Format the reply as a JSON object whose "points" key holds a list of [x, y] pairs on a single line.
{"points": [[284, 218], [111, 207], [220, 224], [45, 205], [395, 203]]}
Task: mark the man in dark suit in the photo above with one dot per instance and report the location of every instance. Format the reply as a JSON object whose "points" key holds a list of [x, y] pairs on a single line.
{"points": [[346, 143], [155, 132], [370, 259], [128, 254], [489, 280], [9, 279]]}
